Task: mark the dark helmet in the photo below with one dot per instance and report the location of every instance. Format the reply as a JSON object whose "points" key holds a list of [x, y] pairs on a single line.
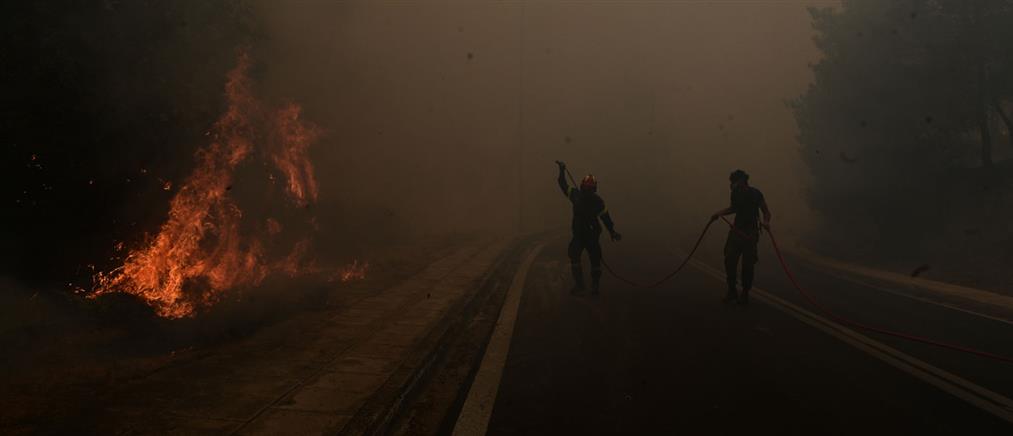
{"points": [[738, 176], [590, 184]]}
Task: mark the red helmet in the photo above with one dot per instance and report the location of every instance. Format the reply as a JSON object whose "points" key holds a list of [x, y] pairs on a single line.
{"points": [[589, 183]]}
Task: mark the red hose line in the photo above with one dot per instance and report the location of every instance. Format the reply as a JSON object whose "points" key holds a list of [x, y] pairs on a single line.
{"points": [[847, 321], [663, 280], [670, 275], [826, 311]]}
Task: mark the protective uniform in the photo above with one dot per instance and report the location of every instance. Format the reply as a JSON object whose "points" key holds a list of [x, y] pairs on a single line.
{"points": [[746, 202], [588, 209]]}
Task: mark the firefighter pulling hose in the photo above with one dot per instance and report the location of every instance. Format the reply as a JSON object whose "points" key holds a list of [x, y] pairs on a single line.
{"points": [[743, 237], [746, 204]]}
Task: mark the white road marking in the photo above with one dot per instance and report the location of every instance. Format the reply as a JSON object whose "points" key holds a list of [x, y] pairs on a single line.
{"points": [[477, 409], [941, 288], [957, 386], [824, 270], [832, 272]]}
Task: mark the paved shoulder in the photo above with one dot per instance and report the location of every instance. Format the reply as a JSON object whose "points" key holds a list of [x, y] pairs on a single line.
{"points": [[312, 383]]}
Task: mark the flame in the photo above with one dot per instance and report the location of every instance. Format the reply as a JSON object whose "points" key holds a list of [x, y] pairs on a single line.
{"points": [[293, 264], [352, 271], [201, 250], [273, 226], [292, 153]]}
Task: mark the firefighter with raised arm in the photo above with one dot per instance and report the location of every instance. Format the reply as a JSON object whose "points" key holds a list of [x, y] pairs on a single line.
{"points": [[589, 212], [746, 204]]}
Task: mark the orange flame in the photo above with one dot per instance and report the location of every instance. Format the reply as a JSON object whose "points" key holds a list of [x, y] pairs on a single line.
{"points": [[292, 153], [200, 251], [352, 271], [273, 226]]}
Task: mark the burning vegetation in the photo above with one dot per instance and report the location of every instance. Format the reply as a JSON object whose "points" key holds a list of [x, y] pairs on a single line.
{"points": [[352, 271], [207, 246]]}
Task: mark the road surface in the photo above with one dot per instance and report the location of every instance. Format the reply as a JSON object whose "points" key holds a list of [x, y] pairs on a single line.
{"points": [[675, 360]]}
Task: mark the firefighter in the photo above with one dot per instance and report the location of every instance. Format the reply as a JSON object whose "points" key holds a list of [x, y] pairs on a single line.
{"points": [[588, 209], [746, 204]]}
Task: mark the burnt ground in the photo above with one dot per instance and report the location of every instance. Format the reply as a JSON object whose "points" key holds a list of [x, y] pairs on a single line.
{"points": [[65, 355]]}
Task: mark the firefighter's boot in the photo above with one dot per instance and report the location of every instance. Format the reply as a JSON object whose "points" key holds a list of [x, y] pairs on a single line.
{"points": [[744, 297], [578, 279], [731, 297]]}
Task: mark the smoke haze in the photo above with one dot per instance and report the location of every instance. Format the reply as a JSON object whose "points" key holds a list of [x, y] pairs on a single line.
{"points": [[449, 115], [437, 118]]}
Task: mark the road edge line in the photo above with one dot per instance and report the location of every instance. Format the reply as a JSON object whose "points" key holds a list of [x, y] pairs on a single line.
{"points": [[385, 405], [478, 405], [946, 289], [849, 278], [950, 383]]}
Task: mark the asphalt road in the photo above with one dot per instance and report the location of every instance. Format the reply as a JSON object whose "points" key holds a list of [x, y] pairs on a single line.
{"points": [[675, 360]]}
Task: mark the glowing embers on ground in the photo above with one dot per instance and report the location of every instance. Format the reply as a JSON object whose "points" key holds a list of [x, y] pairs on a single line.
{"points": [[352, 271], [205, 247]]}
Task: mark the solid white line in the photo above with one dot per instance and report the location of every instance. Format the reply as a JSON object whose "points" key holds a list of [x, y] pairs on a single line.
{"points": [[957, 386], [477, 409], [834, 274], [949, 290]]}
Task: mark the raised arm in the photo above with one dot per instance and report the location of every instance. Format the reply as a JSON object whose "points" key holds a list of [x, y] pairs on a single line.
{"points": [[565, 187]]}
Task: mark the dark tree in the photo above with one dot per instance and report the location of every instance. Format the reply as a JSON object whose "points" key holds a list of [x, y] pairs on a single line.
{"points": [[906, 94], [101, 99]]}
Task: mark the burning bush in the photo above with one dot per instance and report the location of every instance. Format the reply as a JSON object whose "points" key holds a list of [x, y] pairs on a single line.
{"points": [[208, 245]]}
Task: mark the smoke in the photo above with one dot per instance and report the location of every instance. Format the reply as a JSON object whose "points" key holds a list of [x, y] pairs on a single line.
{"points": [[436, 118], [447, 117]]}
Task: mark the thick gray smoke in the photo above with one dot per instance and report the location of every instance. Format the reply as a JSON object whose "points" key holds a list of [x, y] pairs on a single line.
{"points": [[437, 118], [447, 117]]}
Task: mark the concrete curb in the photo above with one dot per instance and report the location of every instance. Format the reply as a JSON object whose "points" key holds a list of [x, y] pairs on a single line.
{"points": [[377, 415], [942, 289]]}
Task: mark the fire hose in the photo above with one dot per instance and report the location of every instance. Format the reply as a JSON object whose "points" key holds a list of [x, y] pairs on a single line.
{"points": [[670, 275], [850, 322], [663, 279], [809, 297]]}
